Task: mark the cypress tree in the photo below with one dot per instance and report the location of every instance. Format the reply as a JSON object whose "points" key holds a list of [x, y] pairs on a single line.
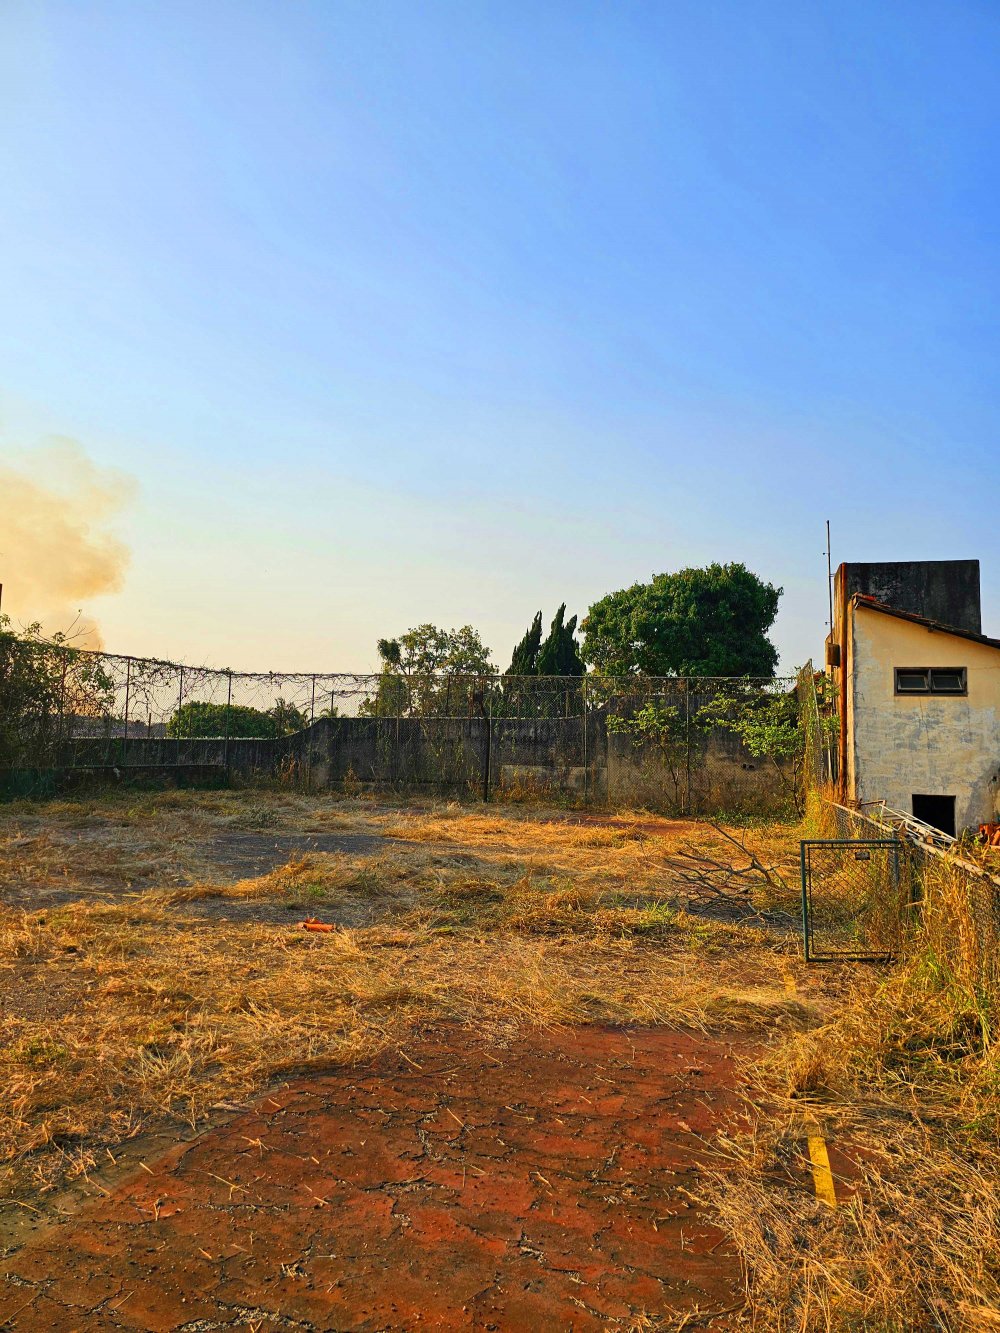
{"points": [[525, 659], [559, 655]]}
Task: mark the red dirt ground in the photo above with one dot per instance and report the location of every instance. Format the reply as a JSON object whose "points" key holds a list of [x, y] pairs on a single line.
{"points": [[546, 1184]]}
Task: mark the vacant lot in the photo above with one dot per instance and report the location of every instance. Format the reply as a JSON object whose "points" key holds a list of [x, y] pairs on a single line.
{"points": [[490, 1096]]}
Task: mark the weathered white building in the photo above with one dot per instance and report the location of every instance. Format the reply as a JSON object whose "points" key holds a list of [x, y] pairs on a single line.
{"points": [[919, 690]]}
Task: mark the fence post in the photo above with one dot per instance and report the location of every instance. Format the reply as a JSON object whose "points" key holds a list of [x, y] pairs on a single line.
{"points": [[312, 721], [229, 704], [586, 757], [62, 710], [687, 744], [180, 705], [488, 747], [128, 686]]}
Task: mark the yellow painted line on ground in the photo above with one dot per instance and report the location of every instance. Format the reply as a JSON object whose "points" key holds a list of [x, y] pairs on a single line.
{"points": [[821, 1173], [819, 1157]]}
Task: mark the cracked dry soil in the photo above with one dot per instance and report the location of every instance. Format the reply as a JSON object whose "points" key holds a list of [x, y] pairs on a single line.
{"points": [[550, 1183]]}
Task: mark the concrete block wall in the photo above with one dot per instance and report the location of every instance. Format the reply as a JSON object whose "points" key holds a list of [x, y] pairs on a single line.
{"points": [[557, 758]]}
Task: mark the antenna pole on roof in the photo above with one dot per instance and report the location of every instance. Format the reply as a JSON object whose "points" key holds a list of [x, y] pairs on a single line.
{"points": [[829, 573]]}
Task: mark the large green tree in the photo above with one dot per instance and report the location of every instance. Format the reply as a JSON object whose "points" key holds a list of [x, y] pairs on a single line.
{"points": [[697, 622], [426, 648], [416, 671]]}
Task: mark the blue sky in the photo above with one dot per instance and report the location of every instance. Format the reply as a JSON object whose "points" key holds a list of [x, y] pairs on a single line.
{"points": [[450, 311]]}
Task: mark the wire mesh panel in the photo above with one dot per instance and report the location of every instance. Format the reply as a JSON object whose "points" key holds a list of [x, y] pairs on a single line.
{"points": [[855, 899], [675, 745]]}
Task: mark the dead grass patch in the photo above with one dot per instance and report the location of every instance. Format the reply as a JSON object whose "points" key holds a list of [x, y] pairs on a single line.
{"points": [[496, 921], [172, 1018]]}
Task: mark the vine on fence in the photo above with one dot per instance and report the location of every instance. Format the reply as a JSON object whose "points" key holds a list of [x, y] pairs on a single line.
{"points": [[67, 708]]}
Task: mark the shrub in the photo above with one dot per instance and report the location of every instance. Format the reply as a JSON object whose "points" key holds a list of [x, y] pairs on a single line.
{"points": [[199, 718]]}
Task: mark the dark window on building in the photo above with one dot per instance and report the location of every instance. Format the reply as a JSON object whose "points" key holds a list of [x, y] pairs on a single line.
{"points": [[931, 680], [948, 680], [938, 811], [913, 682]]}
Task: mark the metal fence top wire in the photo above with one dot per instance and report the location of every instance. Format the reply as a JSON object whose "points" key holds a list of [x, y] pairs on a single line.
{"points": [[772, 683]]}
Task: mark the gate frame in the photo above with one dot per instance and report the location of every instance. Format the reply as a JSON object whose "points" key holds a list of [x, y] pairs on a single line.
{"points": [[806, 845]]}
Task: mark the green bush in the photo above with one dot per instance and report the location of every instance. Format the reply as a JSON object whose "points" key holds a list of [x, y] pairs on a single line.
{"points": [[205, 719]]}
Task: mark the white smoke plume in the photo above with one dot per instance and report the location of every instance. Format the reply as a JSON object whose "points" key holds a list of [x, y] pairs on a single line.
{"points": [[56, 550]]}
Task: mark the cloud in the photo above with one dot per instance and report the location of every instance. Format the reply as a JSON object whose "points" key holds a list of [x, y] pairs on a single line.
{"points": [[57, 552]]}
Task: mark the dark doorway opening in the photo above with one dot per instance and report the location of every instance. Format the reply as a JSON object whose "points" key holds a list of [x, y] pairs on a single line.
{"points": [[938, 811]]}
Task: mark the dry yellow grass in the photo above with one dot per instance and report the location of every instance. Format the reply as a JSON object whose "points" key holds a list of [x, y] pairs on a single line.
{"points": [[127, 1005], [908, 1075], [152, 985]]}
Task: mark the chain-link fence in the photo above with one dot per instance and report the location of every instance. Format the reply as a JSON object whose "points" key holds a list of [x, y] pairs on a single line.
{"points": [[670, 744], [947, 899], [856, 898], [817, 721]]}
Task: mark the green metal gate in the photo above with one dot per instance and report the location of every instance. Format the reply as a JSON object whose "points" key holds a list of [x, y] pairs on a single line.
{"points": [[856, 899]]}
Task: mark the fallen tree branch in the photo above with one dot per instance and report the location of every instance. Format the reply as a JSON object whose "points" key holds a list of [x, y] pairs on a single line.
{"points": [[771, 875]]}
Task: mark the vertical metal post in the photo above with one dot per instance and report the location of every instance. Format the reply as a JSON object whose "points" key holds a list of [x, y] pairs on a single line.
{"points": [[330, 742], [180, 705], [128, 686], [805, 902], [229, 704], [687, 744], [312, 722], [62, 709], [586, 757], [488, 728]]}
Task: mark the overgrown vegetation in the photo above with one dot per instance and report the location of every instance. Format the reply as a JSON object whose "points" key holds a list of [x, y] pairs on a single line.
{"points": [[40, 681], [663, 728], [906, 1077], [769, 727]]}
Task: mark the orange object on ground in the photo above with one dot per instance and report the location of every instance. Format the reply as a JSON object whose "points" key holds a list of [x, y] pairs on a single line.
{"points": [[990, 833], [312, 924]]}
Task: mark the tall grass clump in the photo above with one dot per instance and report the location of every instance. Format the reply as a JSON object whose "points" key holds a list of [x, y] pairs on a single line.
{"points": [[905, 1082]]}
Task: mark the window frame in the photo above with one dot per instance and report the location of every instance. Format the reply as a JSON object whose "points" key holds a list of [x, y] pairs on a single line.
{"points": [[928, 675]]}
